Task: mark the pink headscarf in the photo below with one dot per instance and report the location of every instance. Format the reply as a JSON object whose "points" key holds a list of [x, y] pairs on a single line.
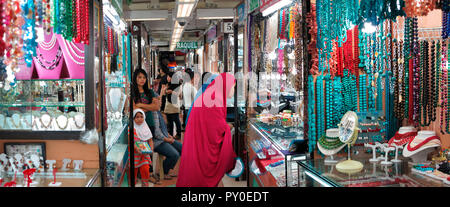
{"points": [[207, 152]]}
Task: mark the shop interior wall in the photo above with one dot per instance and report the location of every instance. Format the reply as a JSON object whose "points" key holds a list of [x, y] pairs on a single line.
{"points": [[61, 149]]}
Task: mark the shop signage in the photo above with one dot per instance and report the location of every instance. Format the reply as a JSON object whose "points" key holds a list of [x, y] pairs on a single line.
{"points": [[265, 4], [187, 45], [252, 5], [228, 27], [241, 13]]}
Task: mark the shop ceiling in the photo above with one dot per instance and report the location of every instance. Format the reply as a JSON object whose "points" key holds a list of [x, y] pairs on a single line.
{"points": [[158, 17]]}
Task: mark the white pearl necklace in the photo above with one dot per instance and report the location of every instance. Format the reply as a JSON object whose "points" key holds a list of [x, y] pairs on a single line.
{"points": [[75, 46], [49, 122], [48, 45], [70, 54]]}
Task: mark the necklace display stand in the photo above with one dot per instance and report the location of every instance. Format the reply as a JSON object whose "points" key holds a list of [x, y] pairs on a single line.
{"points": [[66, 163], [2, 121], [396, 153], [25, 72], [327, 152], [77, 165], [386, 155], [428, 141], [50, 164], [374, 151], [77, 122], [49, 59], [73, 57]]}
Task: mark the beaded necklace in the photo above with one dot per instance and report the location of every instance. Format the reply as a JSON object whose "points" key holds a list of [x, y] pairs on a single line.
{"points": [[438, 73], [395, 79], [2, 29], [362, 93], [320, 106], [330, 145], [406, 57], [401, 82], [443, 90], [328, 102], [338, 109], [416, 75], [311, 115], [432, 104], [29, 36]]}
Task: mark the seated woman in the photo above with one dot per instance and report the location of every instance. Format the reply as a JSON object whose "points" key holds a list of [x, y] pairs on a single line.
{"points": [[165, 145]]}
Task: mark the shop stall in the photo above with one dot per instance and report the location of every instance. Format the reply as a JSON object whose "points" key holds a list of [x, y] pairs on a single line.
{"points": [[390, 69]]}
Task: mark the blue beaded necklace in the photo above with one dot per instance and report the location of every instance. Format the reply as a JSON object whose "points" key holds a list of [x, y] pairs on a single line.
{"points": [[328, 102], [311, 115], [320, 106], [362, 93], [338, 105], [29, 35]]}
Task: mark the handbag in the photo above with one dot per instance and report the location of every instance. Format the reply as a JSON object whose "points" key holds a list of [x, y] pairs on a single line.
{"points": [[171, 108], [144, 147]]}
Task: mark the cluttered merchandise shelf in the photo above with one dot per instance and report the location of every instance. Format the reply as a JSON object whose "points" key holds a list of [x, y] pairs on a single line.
{"points": [[370, 86]]}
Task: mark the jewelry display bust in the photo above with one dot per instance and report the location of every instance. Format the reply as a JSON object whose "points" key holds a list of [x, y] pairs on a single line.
{"points": [[422, 144], [77, 122], [330, 133], [50, 164], [77, 165], [66, 163]]}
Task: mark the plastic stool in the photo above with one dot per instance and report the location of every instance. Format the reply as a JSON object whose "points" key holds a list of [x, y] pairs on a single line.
{"points": [[158, 166]]}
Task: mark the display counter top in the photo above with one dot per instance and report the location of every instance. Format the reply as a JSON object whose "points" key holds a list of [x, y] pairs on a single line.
{"points": [[372, 175], [68, 178], [281, 137]]}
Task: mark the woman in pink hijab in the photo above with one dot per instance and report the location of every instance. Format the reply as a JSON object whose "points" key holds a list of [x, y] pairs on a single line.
{"points": [[207, 147]]}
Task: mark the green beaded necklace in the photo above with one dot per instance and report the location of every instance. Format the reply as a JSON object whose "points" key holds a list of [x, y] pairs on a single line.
{"points": [[330, 145]]}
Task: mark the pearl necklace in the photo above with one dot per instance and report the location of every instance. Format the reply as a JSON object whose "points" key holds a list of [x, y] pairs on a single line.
{"points": [[75, 121], [78, 49], [13, 121], [70, 54], [48, 45], [42, 123], [66, 123]]}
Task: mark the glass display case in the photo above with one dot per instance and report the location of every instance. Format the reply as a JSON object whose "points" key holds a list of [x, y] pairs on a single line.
{"points": [[317, 173], [272, 152]]}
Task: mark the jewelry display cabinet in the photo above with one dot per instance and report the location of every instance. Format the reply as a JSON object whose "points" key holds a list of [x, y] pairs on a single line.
{"points": [[317, 173], [53, 99]]}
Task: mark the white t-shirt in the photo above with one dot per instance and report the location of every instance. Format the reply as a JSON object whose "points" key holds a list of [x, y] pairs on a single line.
{"points": [[189, 92]]}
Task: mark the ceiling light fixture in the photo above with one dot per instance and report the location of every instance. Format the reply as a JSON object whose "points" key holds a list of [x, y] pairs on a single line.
{"points": [[275, 7]]}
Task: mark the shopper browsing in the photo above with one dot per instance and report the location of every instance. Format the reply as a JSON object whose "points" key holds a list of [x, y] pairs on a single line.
{"points": [[189, 93], [207, 146], [142, 134], [166, 145], [172, 107]]}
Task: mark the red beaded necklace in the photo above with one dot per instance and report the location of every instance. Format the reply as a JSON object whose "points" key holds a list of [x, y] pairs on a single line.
{"points": [[401, 139], [421, 143]]}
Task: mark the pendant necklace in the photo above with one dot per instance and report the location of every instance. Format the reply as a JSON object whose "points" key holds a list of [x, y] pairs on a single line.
{"points": [[42, 122], [14, 117], [65, 125], [75, 121]]}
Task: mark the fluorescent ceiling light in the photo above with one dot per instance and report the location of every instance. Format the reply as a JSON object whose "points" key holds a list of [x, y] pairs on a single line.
{"points": [[185, 8], [276, 7], [147, 15], [215, 14]]}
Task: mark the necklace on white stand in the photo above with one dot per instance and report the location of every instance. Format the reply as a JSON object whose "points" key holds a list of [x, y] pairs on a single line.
{"points": [[76, 120], [116, 103], [64, 120], [15, 120], [27, 119], [45, 118]]}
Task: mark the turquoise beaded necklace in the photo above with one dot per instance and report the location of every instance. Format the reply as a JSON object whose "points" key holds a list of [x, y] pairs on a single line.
{"points": [[338, 109], [328, 102], [362, 93], [320, 106], [311, 114]]}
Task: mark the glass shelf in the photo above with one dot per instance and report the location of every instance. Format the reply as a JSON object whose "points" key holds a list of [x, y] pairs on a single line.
{"points": [[43, 104]]}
